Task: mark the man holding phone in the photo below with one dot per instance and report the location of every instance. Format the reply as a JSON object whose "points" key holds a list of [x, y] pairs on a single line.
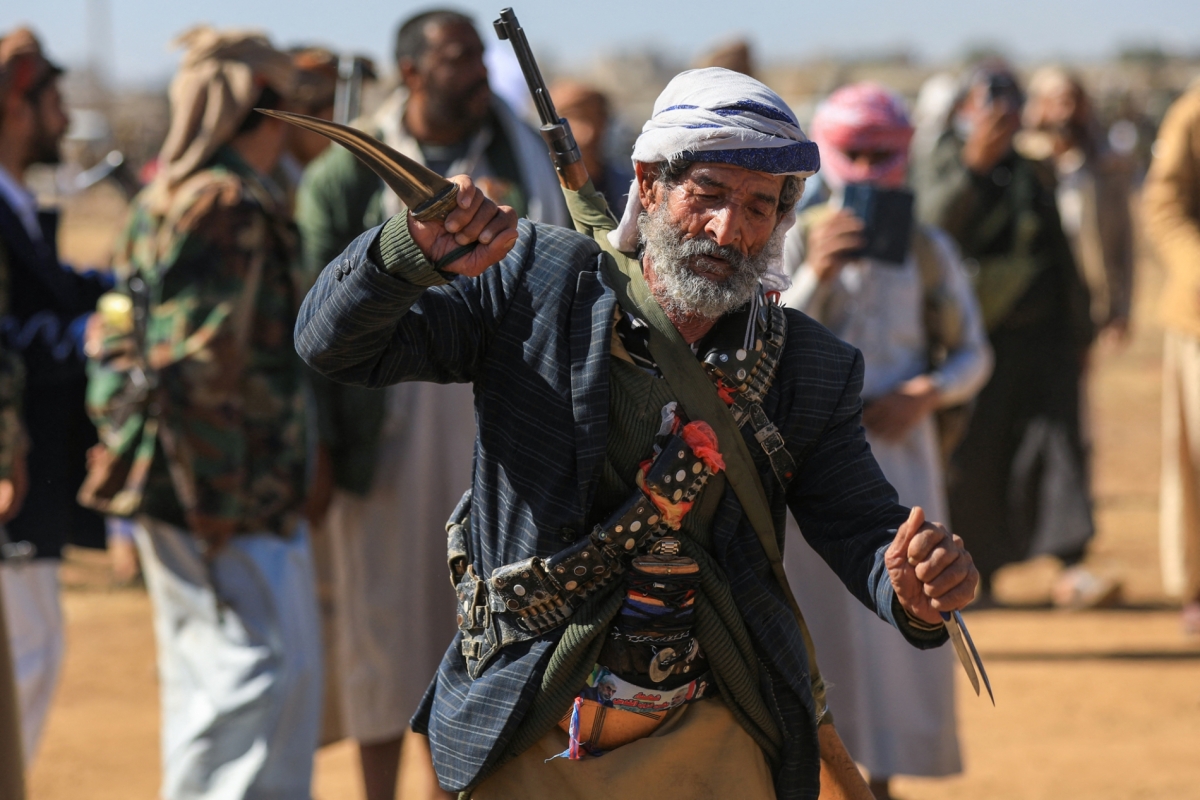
{"points": [[863, 268], [1018, 483]]}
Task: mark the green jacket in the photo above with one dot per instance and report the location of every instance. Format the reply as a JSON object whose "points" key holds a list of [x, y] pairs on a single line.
{"points": [[338, 199]]}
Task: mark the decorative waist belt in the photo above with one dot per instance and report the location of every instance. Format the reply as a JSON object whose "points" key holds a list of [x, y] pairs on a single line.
{"points": [[530, 598]]}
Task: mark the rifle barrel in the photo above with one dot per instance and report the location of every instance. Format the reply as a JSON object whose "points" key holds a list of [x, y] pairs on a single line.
{"points": [[508, 28], [564, 151]]}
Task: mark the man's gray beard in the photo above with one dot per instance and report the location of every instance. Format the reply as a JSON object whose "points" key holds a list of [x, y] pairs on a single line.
{"points": [[681, 291]]}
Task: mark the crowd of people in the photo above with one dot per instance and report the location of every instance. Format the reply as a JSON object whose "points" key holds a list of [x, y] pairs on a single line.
{"points": [[280, 394]]}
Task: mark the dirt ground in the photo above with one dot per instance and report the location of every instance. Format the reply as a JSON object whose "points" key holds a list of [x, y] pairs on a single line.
{"points": [[1101, 705]]}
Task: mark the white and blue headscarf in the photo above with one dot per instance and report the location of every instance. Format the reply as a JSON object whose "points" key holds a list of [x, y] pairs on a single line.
{"points": [[717, 115]]}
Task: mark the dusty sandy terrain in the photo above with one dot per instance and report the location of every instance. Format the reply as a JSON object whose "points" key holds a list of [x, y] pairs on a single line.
{"points": [[1098, 705]]}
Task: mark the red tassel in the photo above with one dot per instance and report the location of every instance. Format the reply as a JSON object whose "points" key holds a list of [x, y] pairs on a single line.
{"points": [[703, 441]]}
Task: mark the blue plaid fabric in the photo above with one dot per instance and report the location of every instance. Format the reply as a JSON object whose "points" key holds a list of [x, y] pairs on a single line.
{"points": [[532, 334]]}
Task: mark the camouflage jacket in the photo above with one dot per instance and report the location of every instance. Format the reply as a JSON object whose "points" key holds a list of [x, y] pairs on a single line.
{"points": [[218, 267]]}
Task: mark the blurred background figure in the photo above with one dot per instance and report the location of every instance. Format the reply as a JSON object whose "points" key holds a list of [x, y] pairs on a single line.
{"points": [[1171, 208], [1093, 188], [48, 305], [318, 80], [316, 91], [587, 109], [1018, 483], [322, 79], [13, 485], [401, 458], [736, 55], [219, 527], [894, 705], [931, 112], [1094, 184]]}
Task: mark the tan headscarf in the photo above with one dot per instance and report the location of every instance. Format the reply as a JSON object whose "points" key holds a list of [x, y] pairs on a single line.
{"points": [[221, 76]]}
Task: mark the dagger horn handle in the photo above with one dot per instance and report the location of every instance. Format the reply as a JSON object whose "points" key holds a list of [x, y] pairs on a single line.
{"points": [[438, 206]]}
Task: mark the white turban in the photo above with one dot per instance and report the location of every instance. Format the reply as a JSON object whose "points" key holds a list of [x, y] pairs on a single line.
{"points": [[717, 115]]}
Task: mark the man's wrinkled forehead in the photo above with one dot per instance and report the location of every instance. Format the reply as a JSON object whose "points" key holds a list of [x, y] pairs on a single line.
{"points": [[727, 177]]}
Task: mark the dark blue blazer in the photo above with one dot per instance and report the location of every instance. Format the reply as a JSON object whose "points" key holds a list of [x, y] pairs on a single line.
{"points": [[47, 309], [532, 334]]}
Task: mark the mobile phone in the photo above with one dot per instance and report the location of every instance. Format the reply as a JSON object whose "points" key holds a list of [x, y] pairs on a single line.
{"points": [[887, 216], [1003, 90]]}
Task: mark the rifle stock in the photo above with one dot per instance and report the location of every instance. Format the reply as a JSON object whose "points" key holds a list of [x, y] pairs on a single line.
{"points": [[564, 152]]}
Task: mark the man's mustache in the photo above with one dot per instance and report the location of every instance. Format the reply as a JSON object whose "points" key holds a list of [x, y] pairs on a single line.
{"points": [[702, 246]]}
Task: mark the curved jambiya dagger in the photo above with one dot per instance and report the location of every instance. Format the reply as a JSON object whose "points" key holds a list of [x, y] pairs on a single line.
{"points": [[428, 195]]}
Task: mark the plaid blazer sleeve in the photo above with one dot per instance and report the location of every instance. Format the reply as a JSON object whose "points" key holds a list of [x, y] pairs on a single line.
{"points": [[841, 500], [363, 326]]}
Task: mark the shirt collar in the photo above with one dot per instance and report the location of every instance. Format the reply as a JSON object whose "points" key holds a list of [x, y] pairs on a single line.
{"points": [[634, 333]]}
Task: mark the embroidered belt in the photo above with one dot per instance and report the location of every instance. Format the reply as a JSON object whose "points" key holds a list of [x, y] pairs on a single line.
{"points": [[529, 598]]}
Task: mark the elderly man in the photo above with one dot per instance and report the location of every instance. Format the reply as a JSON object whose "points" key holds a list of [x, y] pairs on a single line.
{"points": [[601, 534], [894, 704], [400, 458], [222, 541]]}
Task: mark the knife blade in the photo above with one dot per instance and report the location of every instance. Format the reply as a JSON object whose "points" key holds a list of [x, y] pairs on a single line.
{"points": [[964, 647], [975, 654]]}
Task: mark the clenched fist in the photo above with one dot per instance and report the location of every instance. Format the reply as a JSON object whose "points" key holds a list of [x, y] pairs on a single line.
{"points": [[930, 569], [476, 219]]}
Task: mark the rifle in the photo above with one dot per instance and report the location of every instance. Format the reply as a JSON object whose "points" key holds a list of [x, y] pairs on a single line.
{"points": [[347, 102], [564, 152]]}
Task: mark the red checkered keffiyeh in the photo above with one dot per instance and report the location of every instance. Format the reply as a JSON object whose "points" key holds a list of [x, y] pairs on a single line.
{"points": [[863, 117]]}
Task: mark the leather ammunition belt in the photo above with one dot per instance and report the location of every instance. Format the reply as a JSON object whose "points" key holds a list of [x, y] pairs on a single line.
{"points": [[745, 374], [529, 598]]}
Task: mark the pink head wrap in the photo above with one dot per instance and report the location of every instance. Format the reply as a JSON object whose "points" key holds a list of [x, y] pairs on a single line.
{"points": [[863, 117]]}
